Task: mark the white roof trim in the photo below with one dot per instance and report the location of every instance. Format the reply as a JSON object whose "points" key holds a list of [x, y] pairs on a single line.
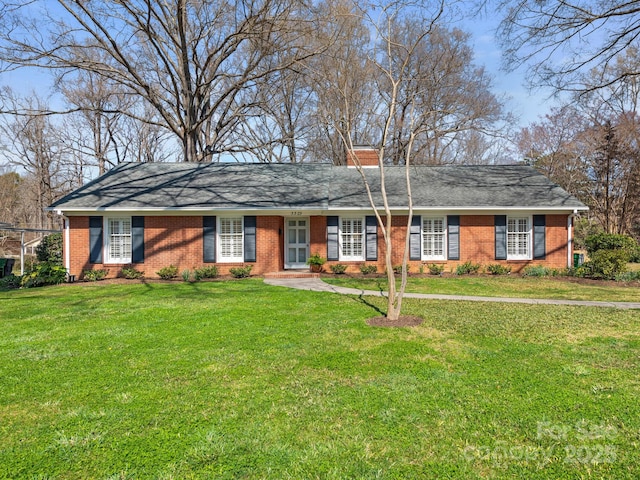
{"points": [[321, 210]]}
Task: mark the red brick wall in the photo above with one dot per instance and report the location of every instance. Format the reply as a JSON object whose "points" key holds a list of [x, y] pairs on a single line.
{"points": [[477, 244], [78, 245], [318, 236], [176, 240], [173, 240], [477, 239], [269, 242], [556, 241]]}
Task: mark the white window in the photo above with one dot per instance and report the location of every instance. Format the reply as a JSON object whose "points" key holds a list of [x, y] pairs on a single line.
{"points": [[230, 239], [118, 240], [433, 238], [351, 239], [518, 238]]}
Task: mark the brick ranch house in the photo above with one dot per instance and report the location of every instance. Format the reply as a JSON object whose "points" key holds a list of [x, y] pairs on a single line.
{"points": [[274, 216]]}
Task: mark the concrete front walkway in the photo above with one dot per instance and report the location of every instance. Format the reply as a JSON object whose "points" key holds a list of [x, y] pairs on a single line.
{"points": [[317, 285]]}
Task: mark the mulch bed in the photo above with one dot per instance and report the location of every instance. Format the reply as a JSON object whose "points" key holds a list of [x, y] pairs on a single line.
{"points": [[402, 321]]}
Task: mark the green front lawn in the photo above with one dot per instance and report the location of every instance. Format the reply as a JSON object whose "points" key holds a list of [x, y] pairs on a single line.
{"points": [[500, 286], [242, 380]]}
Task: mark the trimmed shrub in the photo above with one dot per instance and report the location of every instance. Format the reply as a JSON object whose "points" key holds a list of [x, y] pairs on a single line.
{"points": [[367, 269], [610, 241], [10, 281], [241, 272], [606, 264], [435, 269], [467, 268], [206, 272], [536, 271], [44, 273], [397, 269], [131, 273], [608, 255], [338, 268], [167, 273], [94, 275], [628, 276], [498, 269]]}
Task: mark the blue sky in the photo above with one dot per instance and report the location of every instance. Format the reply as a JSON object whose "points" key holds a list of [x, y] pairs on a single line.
{"points": [[527, 105]]}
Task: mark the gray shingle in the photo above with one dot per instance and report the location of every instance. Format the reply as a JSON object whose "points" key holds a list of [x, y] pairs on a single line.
{"points": [[312, 187]]}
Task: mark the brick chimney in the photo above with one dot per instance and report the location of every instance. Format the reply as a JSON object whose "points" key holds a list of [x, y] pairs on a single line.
{"points": [[365, 155]]}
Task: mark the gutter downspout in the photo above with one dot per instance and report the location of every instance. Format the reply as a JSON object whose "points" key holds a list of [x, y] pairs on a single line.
{"points": [[22, 249], [570, 239], [65, 245], [65, 241]]}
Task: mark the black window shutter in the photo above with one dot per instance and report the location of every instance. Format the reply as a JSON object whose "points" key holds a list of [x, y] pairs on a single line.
{"points": [[453, 237], [415, 238], [332, 238], [209, 239], [371, 239], [95, 240], [250, 238], [501, 237], [539, 241], [137, 239]]}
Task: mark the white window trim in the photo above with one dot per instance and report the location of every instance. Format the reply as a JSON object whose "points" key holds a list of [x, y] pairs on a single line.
{"points": [[444, 240], [352, 258], [529, 232], [106, 252], [219, 257]]}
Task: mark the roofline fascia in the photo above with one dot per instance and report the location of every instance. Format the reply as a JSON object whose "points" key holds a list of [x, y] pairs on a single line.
{"points": [[472, 209], [318, 210]]}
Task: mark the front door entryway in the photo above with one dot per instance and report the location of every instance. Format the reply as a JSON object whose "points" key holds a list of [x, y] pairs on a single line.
{"points": [[296, 242]]}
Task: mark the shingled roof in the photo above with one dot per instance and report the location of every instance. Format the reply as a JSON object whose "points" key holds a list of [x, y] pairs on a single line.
{"points": [[321, 187]]}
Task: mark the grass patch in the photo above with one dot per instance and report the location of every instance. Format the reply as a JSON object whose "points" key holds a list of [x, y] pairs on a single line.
{"points": [[507, 286], [194, 381]]}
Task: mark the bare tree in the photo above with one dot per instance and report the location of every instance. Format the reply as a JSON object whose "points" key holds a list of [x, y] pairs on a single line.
{"points": [[12, 209], [33, 143], [556, 146], [393, 57], [100, 108], [613, 112], [197, 64], [343, 80], [596, 159], [450, 95], [559, 41], [280, 127]]}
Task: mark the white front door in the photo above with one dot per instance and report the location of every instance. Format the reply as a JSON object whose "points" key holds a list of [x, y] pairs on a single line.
{"points": [[296, 242]]}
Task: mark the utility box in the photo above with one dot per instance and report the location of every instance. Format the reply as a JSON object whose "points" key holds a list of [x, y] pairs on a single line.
{"points": [[6, 266]]}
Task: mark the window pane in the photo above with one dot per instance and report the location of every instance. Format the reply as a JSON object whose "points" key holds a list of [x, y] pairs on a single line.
{"points": [[433, 237], [518, 237], [119, 239], [231, 237], [352, 237]]}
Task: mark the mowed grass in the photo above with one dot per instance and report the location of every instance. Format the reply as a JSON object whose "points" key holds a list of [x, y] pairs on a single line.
{"points": [[243, 380], [513, 286]]}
